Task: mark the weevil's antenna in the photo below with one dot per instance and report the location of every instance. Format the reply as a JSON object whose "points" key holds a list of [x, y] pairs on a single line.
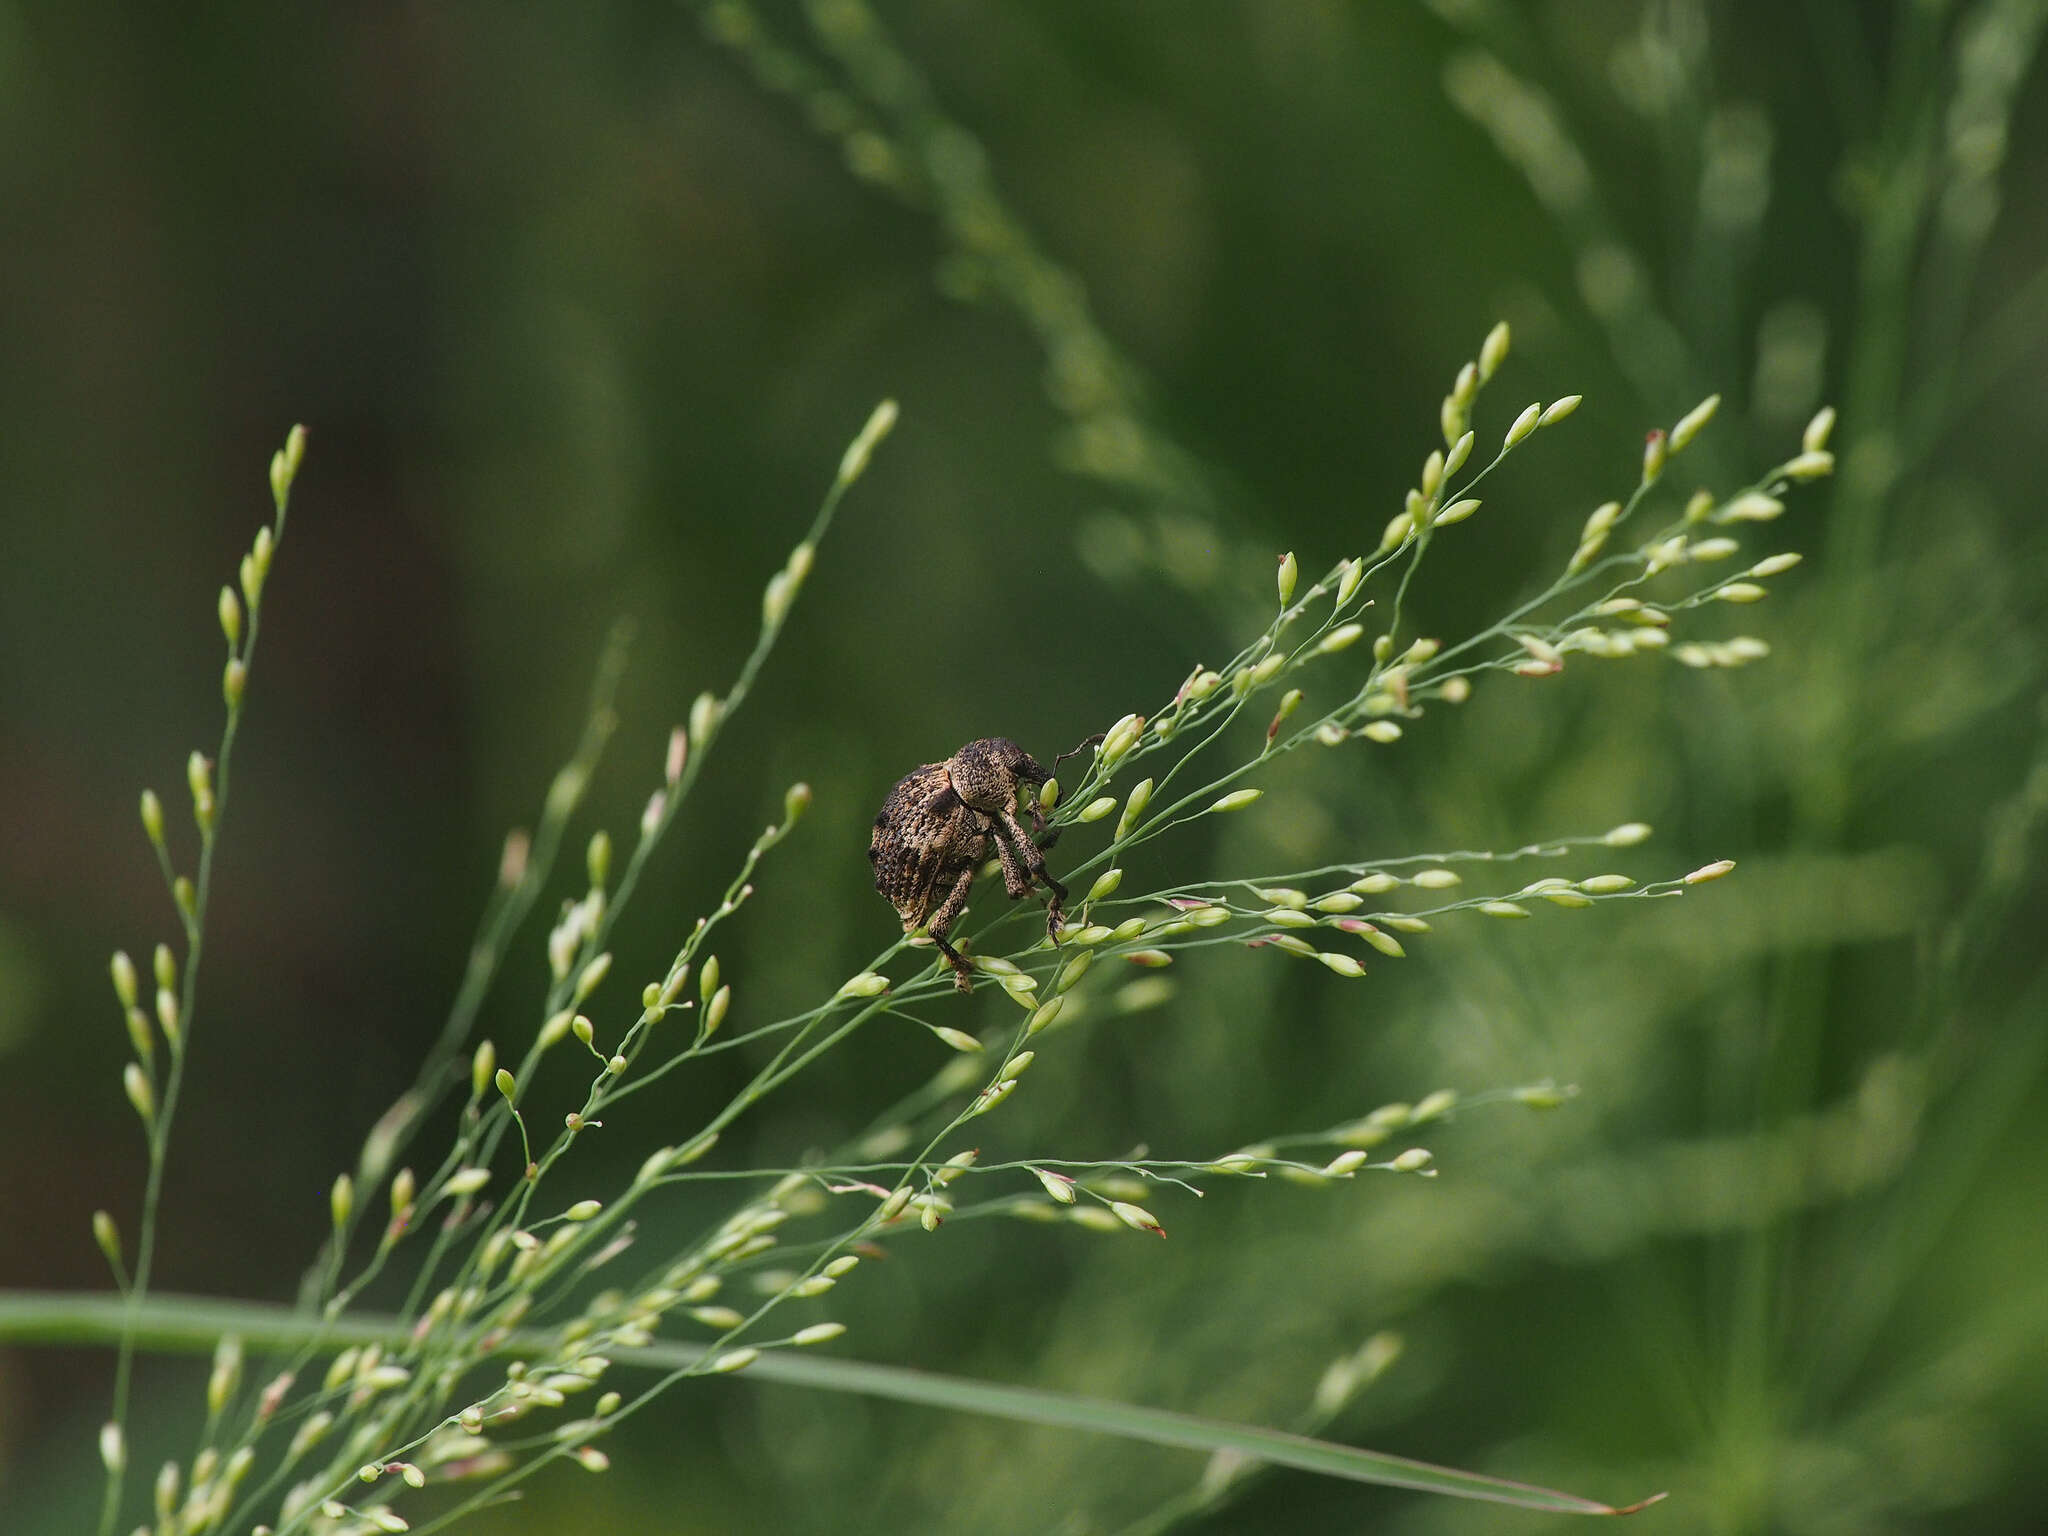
{"points": [[1094, 740]]}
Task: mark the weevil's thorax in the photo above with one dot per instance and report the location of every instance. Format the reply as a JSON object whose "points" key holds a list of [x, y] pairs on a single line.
{"points": [[986, 773]]}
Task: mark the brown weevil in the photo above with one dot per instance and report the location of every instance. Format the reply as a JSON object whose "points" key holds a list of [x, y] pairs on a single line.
{"points": [[935, 831]]}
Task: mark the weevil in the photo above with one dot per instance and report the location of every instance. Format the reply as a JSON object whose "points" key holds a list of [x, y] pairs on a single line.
{"points": [[937, 826]]}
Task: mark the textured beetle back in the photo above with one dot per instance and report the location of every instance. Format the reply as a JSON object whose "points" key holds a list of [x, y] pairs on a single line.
{"points": [[923, 831]]}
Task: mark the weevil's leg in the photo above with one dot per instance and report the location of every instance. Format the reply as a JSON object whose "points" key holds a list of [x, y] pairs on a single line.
{"points": [[940, 923], [1034, 861], [1042, 832], [1016, 878]]}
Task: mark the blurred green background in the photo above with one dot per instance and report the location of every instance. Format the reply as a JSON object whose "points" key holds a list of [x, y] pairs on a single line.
{"points": [[581, 304]]}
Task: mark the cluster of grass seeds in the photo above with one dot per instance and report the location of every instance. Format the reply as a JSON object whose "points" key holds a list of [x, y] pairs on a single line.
{"points": [[502, 1356]]}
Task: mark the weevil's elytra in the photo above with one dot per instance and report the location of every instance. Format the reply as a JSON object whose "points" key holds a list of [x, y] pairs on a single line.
{"points": [[935, 831]]}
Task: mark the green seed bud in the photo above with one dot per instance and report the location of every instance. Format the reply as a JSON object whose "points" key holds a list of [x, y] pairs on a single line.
{"points": [[123, 971], [1690, 423], [231, 617], [108, 1236], [1134, 808], [135, 1083], [1288, 572], [341, 1200], [1655, 452], [1493, 353], [1818, 430]]}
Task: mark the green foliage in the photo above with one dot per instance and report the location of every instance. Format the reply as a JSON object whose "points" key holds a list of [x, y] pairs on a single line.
{"points": [[1767, 1257]]}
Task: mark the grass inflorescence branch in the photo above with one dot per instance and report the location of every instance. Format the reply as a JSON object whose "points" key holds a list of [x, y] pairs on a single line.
{"points": [[519, 1299]]}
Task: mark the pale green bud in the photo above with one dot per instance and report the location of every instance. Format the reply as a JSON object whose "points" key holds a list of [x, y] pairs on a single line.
{"points": [[467, 1181], [1043, 1015], [135, 1083], [1461, 450], [1134, 808], [1399, 526], [1752, 507], [592, 975], [1236, 800], [1289, 570], [225, 1376], [1558, 409], [341, 1200], [1655, 452], [231, 617], [1057, 1185], [108, 1236], [1523, 425], [1494, 352], [1385, 943], [481, 1065], [152, 817], [113, 1448], [1105, 884], [1690, 423], [855, 460], [1136, 1217], [706, 710], [1818, 430], [122, 969], [864, 984], [284, 466]]}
